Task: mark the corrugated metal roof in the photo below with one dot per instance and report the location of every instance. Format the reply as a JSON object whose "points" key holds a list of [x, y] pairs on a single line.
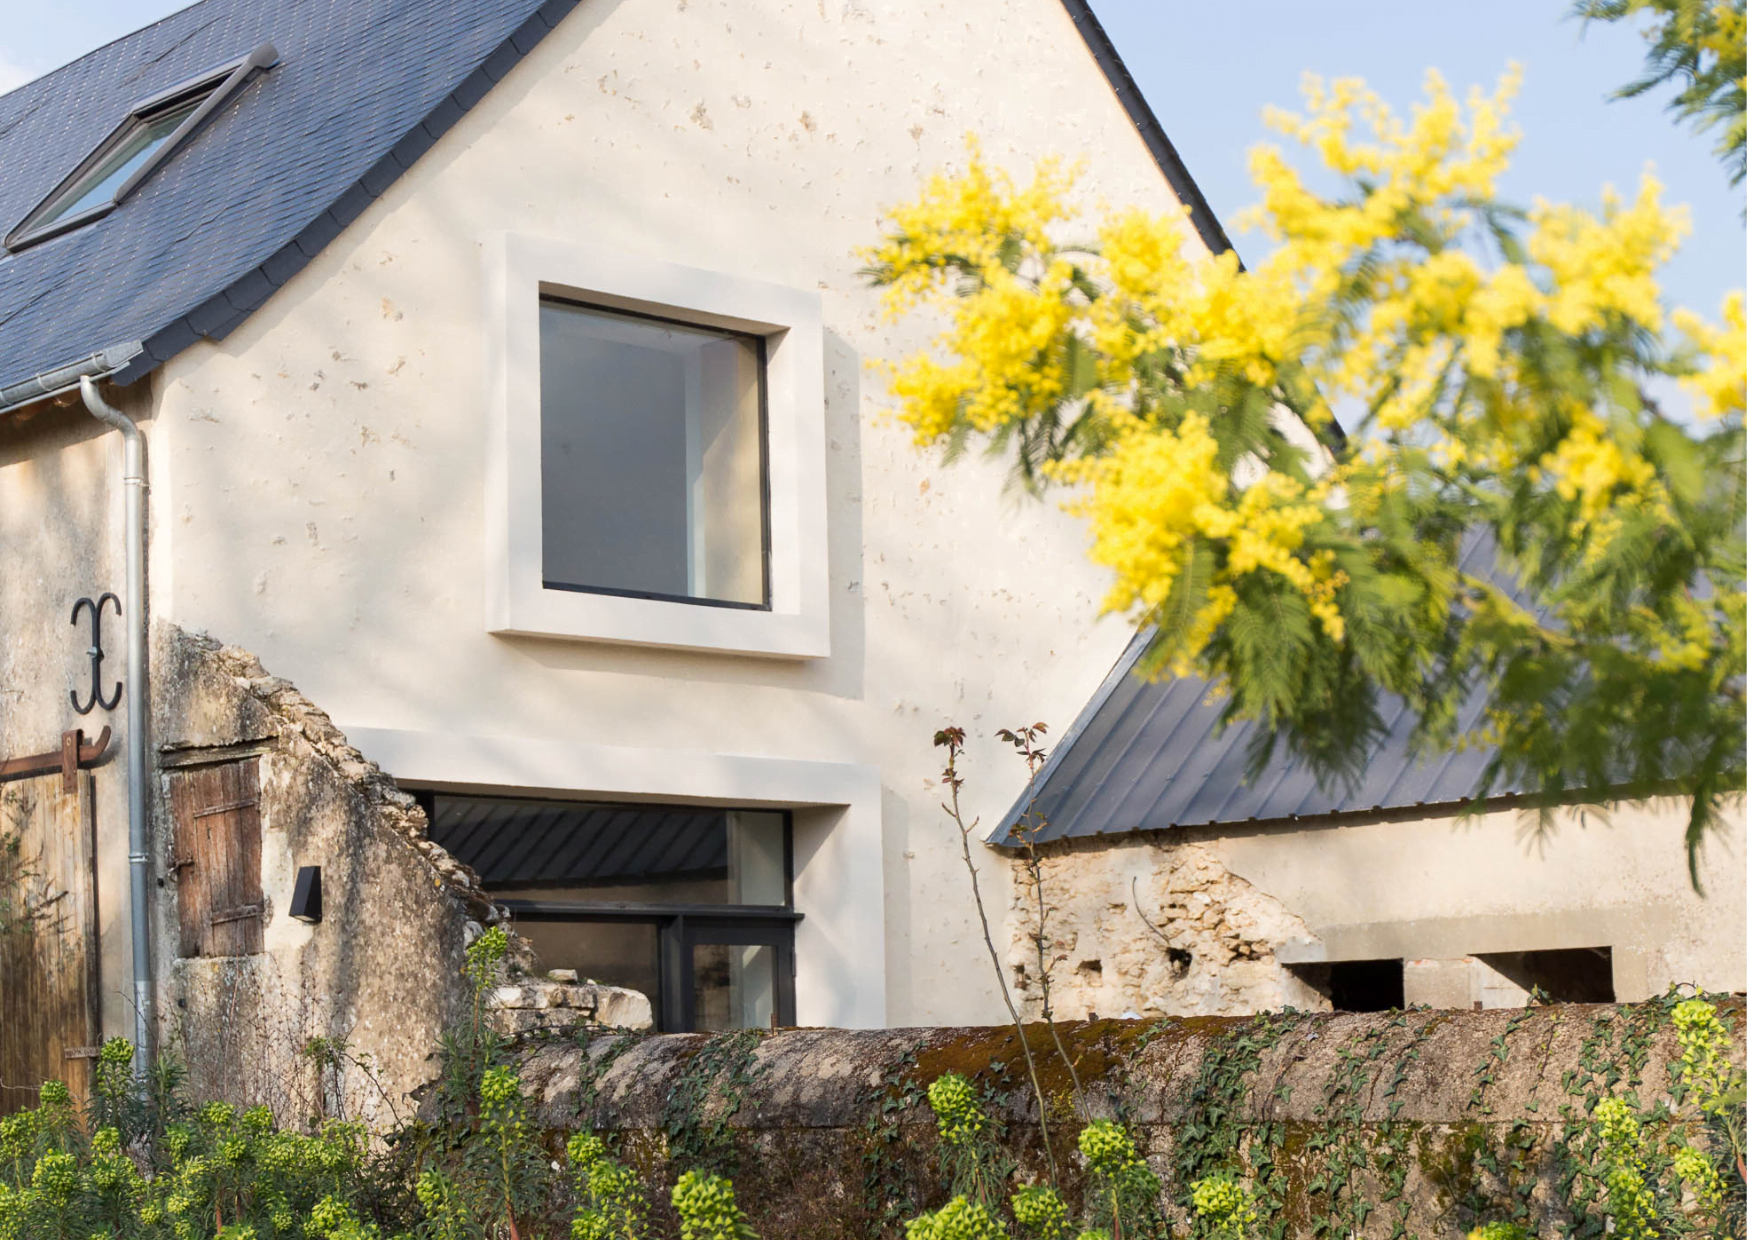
{"points": [[1148, 755], [361, 90]]}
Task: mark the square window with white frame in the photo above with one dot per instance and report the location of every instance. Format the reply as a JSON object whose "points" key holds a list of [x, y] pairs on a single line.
{"points": [[655, 466], [652, 457]]}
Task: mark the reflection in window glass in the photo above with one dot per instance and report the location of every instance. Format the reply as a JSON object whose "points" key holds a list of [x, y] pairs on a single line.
{"points": [[617, 953], [625, 854], [757, 864], [734, 986], [651, 457]]}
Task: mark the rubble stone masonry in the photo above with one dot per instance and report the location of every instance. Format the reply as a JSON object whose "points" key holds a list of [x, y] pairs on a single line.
{"points": [[1142, 927]]}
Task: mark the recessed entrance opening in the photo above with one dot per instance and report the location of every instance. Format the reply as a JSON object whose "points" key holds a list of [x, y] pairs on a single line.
{"points": [[689, 905]]}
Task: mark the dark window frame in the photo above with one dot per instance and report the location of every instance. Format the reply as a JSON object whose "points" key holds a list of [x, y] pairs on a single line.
{"points": [[762, 346], [778, 934], [216, 85], [679, 928], [677, 924]]}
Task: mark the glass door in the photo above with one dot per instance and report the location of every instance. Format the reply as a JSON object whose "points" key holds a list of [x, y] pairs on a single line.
{"points": [[733, 974]]}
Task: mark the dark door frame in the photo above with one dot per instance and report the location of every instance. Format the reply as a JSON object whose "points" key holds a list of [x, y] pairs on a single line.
{"points": [[685, 933], [679, 928]]}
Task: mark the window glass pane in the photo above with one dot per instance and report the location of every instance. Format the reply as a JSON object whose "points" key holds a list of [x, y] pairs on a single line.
{"points": [[757, 868], [136, 146], [628, 854], [734, 986], [618, 953], [651, 457]]}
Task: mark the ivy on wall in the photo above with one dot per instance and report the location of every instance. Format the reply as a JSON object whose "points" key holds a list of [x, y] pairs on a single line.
{"points": [[1333, 1168]]}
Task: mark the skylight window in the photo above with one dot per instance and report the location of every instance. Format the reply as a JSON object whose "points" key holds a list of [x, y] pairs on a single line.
{"points": [[152, 130], [143, 137]]}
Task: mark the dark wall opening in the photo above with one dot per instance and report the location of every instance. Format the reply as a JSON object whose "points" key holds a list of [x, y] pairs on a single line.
{"points": [[1365, 985], [1567, 975], [1356, 985]]}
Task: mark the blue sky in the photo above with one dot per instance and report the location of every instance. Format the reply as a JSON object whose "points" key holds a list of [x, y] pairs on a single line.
{"points": [[1209, 70]]}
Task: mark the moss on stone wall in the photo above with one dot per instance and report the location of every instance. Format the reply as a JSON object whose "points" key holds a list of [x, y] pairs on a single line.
{"points": [[1375, 1125]]}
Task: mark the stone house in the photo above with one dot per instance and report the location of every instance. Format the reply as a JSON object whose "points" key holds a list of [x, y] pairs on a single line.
{"points": [[460, 414], [1176, 882]]}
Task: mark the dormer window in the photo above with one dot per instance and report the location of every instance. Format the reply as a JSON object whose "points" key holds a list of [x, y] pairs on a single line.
{"points": [[152, 130]]}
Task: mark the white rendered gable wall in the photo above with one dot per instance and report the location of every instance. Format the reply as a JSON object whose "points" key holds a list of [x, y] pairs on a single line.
{"points": [[321, 492]]}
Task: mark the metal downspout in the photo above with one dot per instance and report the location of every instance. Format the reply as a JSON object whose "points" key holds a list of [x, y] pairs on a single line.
{"points": [[138, 707]]}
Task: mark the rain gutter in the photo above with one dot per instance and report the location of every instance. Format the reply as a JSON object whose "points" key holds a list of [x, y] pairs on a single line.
{"points": [[64, 379]]}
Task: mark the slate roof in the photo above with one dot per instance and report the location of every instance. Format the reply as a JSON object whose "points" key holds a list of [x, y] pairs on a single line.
{"points": [[361, 90], [1145, 756]]}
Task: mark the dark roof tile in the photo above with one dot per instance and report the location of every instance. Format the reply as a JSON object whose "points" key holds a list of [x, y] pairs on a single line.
{"points": [[529, 34], [407, 151], [210, 313], [263, 186], [284, 263]]}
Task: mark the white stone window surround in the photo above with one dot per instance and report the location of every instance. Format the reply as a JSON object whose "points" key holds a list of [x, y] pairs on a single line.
{"points": [[840, 942], [519, 270]]}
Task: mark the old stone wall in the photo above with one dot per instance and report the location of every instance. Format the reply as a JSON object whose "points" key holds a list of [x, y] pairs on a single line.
{"points": [[1144, 928], [1357, 1125], [559, 1000], [379, 978], [1235, 918]]}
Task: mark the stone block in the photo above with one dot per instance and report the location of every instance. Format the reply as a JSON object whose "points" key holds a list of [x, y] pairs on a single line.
{"points": [[1445, 984]]}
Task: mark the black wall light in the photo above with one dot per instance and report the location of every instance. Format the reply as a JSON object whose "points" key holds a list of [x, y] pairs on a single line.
{"points": [[306, 896]]}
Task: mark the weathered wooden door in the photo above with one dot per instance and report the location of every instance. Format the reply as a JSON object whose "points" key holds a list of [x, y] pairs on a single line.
{"points": [[49, 994], [217, 858]]}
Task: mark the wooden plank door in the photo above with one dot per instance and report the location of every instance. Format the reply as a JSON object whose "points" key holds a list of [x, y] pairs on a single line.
{"points": [[216, 858], [49, 992]]}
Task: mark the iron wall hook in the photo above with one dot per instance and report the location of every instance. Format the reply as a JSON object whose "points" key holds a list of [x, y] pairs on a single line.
{"points": [[96, 654]]}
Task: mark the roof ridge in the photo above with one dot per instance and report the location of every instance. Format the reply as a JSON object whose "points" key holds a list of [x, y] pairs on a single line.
{"points": [[1177, 175]]}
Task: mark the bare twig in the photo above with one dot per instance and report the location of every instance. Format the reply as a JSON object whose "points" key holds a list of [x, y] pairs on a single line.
{"points": [[1028, 828], [1135, 895], [953, 740]]}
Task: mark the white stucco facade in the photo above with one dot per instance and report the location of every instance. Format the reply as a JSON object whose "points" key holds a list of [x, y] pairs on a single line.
{"points": [[322, 475]]}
